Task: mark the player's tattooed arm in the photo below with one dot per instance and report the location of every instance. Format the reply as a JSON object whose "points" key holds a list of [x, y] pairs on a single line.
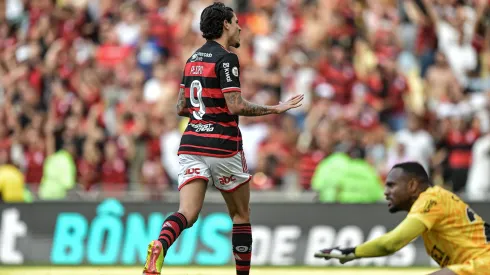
{"points": [[239, 106], [181, 106]]}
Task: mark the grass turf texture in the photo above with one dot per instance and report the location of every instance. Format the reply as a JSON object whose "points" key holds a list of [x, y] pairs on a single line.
{"points": [[228, 270]]}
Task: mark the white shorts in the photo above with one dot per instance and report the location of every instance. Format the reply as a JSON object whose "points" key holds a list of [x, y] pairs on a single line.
{"points": [[227, 174]]}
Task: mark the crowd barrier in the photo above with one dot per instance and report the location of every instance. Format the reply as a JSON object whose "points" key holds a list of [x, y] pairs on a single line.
{"points": [[112, 232]]}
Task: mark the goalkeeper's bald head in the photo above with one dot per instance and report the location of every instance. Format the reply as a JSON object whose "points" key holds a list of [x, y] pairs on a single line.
{"points": [[404, 184]]}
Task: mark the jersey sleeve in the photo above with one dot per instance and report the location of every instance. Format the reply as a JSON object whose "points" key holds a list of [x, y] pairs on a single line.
{"points": [[428, 209], [229, 73], [408, 230]]}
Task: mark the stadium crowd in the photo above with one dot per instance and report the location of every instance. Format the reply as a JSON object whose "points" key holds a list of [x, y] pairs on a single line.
{"points": [[88, 91]]}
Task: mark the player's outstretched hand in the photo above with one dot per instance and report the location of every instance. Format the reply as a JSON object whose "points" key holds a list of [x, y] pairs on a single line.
{"points": [[293, 102], [344, 255]]}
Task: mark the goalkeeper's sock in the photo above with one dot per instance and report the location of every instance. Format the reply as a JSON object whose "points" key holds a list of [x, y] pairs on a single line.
{"points": [[242, 247], [171, 229]]}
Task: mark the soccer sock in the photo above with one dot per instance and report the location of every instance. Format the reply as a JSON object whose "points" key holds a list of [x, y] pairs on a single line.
{"points": [[242, 247], [171, 229]]}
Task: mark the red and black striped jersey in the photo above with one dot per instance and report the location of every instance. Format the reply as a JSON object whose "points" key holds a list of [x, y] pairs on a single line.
{"points": [[212, 130]]}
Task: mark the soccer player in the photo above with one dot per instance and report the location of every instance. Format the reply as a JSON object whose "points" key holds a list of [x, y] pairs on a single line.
{"points": [[454, 235], [211, 146]]}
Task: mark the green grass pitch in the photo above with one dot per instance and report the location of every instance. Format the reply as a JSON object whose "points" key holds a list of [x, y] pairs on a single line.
{"points": [[228, 270]]}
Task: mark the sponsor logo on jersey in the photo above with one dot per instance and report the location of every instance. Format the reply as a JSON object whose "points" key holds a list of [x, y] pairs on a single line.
{"points": [[202, 127], [199, 55], [226, 66]]}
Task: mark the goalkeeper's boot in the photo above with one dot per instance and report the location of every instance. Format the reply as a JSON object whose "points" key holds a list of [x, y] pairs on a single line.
{"points": [[154, 259]]}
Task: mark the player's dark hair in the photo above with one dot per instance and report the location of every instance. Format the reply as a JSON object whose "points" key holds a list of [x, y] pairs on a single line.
{"points": [[414, 170], [212, 18]]}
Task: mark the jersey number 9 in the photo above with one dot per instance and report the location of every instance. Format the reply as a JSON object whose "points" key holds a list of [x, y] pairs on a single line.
{"points": [[196, 88]]}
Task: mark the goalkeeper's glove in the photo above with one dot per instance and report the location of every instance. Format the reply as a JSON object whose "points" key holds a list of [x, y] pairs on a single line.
{"points": [[344, 255]]}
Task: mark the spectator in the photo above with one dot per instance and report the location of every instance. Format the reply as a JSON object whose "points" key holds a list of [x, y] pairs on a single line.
{"points": [[455, 35], [88, 166], [169, 144], [397, 154], [320, 147], [34, 156], [113, 167], [346, 179], [157, 87], [339, 73], [414, 143], [154, 177], [426, 39], [387, 90], [376, 146], [478, 184], [128, 29], [112, 53], [11, 181], [441, 83], [277, 155], [59, 173], [456, 146]]}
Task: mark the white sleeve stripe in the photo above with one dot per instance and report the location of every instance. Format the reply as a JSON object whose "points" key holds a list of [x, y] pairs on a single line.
{"points": [[224, 89]]}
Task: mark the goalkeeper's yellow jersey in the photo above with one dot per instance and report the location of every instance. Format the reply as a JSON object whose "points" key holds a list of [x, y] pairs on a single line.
{"points": [[455, 233]]}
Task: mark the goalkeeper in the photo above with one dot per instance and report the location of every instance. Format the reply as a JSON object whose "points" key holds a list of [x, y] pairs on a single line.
{"points": [[454, 235]]}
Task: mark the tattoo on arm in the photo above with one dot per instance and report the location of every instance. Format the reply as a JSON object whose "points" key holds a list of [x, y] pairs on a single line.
{"points": [[246, 108], [181, 104]]}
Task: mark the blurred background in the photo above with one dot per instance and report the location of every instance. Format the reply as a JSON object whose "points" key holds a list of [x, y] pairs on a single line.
{"points": [[88, 91]]}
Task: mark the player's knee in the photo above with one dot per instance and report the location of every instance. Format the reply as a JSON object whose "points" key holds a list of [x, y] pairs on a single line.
{"points": [[240, 216]]}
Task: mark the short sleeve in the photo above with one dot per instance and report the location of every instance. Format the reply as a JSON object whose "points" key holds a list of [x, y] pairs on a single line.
{"points": [[429, 209], [182, 82], [229, 73]]}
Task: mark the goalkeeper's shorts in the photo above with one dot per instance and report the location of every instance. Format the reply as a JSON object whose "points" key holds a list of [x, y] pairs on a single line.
{"points": [[480, 266]]}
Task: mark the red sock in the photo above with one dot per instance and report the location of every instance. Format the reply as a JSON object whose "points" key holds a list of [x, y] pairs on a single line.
{"points": [[242, 247], [171, 229]]}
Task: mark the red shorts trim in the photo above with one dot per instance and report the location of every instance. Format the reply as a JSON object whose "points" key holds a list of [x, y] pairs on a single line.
{"points": [[193, 178]]}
